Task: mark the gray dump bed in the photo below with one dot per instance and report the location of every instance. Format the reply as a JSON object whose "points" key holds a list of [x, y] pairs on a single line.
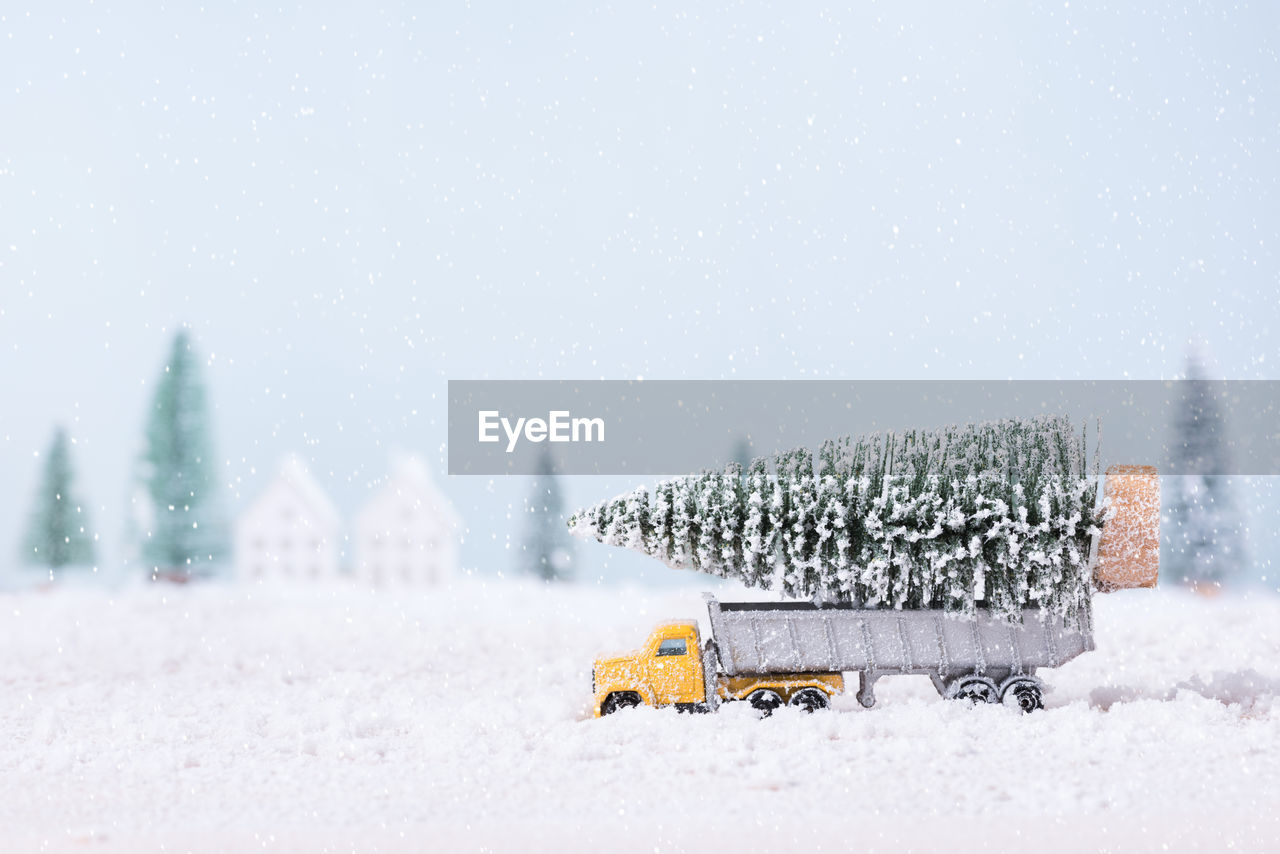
{"points": [[754, 637]]}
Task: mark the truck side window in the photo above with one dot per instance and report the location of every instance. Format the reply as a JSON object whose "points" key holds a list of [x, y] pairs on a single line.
{"points": [[674, 646]]}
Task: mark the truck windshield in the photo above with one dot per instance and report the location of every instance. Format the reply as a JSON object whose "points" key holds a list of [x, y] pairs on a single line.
{"points": [[673, 646]]}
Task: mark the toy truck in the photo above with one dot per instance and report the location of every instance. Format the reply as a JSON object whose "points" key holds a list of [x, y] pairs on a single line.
{"points": [[795, 653]]}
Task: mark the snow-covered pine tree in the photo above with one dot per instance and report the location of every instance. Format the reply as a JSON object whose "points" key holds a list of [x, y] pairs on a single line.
{"points": [[188, 533], [996, 515], [799, 526], [1205, 542], [633, 525], [547, 550], [733, 501], [660, 543], [758, 527], [832, 548], [58, 534], [684, 527], [711, 518]]}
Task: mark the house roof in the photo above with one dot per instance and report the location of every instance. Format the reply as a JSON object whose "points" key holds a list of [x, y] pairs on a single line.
{"points": [[293, 475], [409, 480]]}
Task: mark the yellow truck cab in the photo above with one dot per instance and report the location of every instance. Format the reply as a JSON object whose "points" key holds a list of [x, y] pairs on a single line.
{"points": [[672, 668]]}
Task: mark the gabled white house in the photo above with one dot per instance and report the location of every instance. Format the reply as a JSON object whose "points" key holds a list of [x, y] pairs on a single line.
{"points": [[407, 532], [291, 530]]}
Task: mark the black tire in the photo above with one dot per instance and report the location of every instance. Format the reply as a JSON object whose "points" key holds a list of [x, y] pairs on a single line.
{"points": [[974, 689], [618, 702], [1025, 694], [809, 699], [764, 701]]}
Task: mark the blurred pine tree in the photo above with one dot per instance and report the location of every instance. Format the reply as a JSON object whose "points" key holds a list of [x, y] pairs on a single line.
{"points": [[1204, 534], [547, 551], [185, 532], [58, 535]]}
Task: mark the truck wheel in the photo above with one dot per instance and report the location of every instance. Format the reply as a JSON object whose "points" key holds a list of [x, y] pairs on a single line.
{"points": [[975, 689], [764, 701], [809, 699], [617, 702], [1023, 693]]}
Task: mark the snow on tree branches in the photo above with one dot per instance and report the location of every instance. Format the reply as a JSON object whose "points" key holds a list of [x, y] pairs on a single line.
{"points": [[998, 515]]}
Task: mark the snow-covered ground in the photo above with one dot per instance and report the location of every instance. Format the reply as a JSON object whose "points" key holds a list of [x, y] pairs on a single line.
{"points": [[331, 719]]}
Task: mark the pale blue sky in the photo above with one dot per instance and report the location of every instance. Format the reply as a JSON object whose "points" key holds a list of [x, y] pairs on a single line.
{"points": [[351, 206]]}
